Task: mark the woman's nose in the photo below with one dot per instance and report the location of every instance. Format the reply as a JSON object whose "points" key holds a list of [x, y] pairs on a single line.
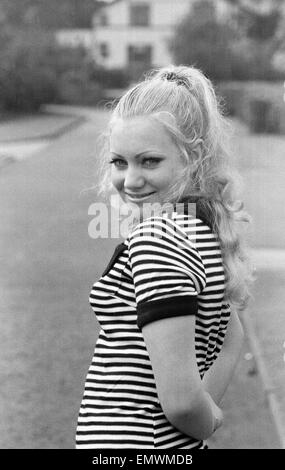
{"points": [[134, 178]]}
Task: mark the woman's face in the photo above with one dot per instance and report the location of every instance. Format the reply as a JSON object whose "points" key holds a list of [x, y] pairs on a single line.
{"points": [[145, 160]]}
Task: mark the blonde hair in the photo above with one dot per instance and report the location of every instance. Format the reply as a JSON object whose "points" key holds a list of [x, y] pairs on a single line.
{"points": [[201, 132]]}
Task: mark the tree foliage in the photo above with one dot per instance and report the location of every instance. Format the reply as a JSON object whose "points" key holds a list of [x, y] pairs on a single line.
{"points": [[240, 49], [25, 80], [202, 41], [50, 14], [257, 23], [35, 70]]}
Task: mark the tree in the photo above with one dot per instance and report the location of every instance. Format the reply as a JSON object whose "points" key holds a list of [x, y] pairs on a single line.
{"points": [[35, 70], [25, 80], [262, 25], [240, 49], [201, 40], [263, 28], [258, 23], [50, 14]]}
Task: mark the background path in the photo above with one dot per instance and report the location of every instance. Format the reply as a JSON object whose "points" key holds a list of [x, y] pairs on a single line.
{"points": [[25, 135]]}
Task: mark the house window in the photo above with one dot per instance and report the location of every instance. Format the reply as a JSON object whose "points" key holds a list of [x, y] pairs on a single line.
{"points": [[140, 54], [104, 50], [140, 14]]}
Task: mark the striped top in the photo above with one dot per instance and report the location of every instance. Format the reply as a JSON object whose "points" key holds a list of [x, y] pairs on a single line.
{"points": [[169, 265]]}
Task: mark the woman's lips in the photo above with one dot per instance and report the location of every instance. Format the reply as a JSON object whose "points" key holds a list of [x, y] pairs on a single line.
{"points": [[138, 197]]}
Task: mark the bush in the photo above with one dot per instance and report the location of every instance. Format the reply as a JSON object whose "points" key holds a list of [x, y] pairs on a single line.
{"points": [[36, 71], [258, 104], [25, 82], [232, 94], [27, 89], [74, 88], [264, 117], [110, 78]]}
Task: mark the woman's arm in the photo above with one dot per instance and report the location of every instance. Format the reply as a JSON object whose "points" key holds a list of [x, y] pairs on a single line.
{"points": [[217, 378], [171, 346]]}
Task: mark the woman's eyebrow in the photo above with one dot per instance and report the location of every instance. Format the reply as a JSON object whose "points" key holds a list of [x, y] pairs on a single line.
{"points": [[141, 154]]}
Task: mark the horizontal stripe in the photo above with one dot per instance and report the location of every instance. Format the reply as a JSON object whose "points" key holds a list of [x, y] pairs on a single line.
{"points": [[125, 394], [118, 401], [114, 431], [113, 416], [166, 308]]}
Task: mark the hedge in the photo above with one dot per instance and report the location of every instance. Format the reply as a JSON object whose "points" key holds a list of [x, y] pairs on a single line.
{"points": [[260, 105]]}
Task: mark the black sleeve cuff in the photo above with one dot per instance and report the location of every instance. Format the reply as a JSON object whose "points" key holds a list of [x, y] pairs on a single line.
{"points": [[166, 308]]}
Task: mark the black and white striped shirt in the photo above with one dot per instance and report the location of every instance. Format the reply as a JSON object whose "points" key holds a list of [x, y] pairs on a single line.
{"points": [[169, 265]]}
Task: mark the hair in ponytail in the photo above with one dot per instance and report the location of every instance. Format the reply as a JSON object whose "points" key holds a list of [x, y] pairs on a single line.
{"points": [[184, 101]]}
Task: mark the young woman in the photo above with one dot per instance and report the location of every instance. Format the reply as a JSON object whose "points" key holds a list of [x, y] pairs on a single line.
{"points": [[170, 335]]}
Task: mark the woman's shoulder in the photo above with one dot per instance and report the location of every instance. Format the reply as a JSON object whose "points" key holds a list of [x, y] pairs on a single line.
{"points": [[157, 223], [178, 218], [192, 224], [169, 226], [161, 240]]}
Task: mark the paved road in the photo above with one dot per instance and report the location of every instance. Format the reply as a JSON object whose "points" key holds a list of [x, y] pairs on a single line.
{"points": [[48, 332]]}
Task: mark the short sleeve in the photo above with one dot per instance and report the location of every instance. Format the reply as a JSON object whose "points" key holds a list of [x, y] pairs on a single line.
{"points": [[167, 270]]}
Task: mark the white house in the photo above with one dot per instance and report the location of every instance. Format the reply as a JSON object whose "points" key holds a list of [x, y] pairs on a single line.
{"points": [[135, 33]]}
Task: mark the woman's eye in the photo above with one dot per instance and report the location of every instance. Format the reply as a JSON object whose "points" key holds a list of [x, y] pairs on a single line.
{"points": [[151, 161], [148, 162], [118, 162]]}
